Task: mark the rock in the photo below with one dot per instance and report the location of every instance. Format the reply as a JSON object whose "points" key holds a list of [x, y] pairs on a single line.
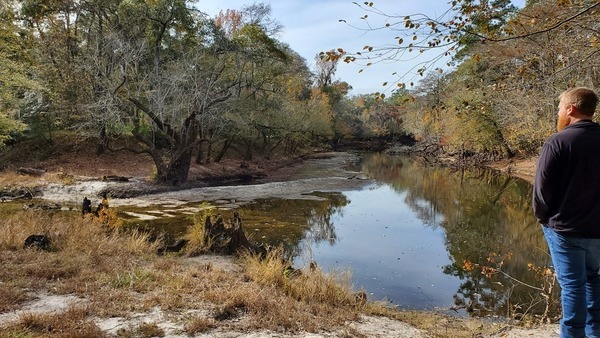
{"points": [[37, 241]]}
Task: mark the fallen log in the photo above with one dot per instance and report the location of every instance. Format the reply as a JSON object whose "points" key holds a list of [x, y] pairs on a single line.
{"points": [[114, 178], [178, 246], [19, 193], [31, 171], [32, 206]]}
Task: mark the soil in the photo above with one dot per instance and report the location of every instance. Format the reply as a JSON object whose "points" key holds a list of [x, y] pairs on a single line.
{"points": [[519, 167], [82, 164]]}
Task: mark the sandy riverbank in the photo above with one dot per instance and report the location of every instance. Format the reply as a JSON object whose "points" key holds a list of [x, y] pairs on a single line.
{"points": [[368, 326]]}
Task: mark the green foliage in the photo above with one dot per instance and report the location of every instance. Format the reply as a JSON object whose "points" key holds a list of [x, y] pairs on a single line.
{"points": [[8, 128], [15, 78]]}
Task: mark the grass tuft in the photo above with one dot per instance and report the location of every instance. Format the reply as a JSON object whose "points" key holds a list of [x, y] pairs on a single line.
{"points": [[144, 330], [11, 296], [199, 325], [71, 323]]}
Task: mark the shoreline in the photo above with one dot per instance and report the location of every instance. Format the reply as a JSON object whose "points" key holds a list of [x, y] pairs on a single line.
{"points": [[367, 325]]}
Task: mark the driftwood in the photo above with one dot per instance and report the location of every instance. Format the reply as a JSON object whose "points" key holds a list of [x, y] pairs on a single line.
{"points": [[32, 206], [16, 194], [31, 171], [178, 246], [114, 178]]}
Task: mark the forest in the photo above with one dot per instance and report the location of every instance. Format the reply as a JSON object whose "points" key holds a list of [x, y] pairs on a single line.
{"points": [[162, 78]]}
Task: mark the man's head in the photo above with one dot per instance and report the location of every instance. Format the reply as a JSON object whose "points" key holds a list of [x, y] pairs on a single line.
{"points": [[576, 104]]}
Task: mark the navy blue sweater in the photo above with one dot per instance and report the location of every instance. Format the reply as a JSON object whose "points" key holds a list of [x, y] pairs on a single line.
{"points": [[566, 190]]}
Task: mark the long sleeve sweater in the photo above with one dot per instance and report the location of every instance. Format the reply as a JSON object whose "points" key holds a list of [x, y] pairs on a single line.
{"points": [[566, 189]]}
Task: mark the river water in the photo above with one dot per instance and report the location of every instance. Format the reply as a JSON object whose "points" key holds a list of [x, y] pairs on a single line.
{"points": [[418, 236]]}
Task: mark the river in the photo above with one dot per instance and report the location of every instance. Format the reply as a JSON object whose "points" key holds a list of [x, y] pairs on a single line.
{"points": [[421, 237]]}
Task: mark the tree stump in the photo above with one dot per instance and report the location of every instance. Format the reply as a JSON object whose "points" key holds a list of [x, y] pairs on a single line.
{"points": [[237, 238], [229, 240]]}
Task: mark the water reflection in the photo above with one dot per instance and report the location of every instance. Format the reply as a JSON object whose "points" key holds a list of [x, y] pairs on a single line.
{"points": [[291, 222], [407, 237], [482, 213]]}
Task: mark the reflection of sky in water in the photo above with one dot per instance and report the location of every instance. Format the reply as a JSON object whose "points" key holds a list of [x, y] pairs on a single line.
{"points": [[391, 253]]}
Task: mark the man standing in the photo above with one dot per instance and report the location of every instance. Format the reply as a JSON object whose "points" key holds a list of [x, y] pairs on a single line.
{"points": [[566, 201]]}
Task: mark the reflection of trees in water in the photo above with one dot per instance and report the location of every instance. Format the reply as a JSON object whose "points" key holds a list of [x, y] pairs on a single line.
{"points": [[482, 212], [319, 221], [288, 222]]}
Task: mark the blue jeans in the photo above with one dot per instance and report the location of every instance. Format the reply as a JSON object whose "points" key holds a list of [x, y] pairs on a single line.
{"points": [[577, 264]]}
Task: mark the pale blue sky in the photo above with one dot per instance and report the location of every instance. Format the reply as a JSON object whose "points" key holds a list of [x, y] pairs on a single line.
{"points": [[310, 27]]}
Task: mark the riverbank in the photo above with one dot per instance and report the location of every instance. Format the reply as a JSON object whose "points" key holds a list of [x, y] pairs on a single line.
{"points": [[399, 324], [523, 168]]}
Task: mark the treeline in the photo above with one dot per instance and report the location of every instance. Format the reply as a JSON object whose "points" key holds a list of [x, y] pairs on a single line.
{"points": [[162, 78], [509, 66]]}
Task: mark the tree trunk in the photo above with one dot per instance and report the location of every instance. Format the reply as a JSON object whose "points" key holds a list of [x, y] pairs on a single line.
{"points": [[221, 153], [102, 144], [178, 170], [199, 154], [249, 150]]}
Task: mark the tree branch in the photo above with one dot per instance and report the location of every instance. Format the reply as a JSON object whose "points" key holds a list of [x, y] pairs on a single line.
{"points": [[169, 131], [555, 26]]}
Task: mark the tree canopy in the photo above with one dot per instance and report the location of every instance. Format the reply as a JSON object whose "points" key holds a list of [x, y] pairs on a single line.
{"points": [[163, 79]]}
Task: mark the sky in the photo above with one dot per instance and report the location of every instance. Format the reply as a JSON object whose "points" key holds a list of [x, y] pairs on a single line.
{"points": [[313, 26]]}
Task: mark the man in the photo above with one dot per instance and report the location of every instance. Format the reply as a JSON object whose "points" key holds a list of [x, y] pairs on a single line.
{"points": [[566, 201]]}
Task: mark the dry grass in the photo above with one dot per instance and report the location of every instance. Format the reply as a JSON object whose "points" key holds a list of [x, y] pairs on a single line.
{"points": [[118, 273], [199, 325], [11, 296], [145, 330], [74, 322]]}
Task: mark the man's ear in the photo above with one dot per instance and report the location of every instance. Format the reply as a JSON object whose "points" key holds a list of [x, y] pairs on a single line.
{"points": [[571, 109]]}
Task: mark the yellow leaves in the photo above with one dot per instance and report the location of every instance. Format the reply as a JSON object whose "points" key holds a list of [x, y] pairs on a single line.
{"points": [[544, 272], [468, 265], [594, 41], [379, 96]]}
